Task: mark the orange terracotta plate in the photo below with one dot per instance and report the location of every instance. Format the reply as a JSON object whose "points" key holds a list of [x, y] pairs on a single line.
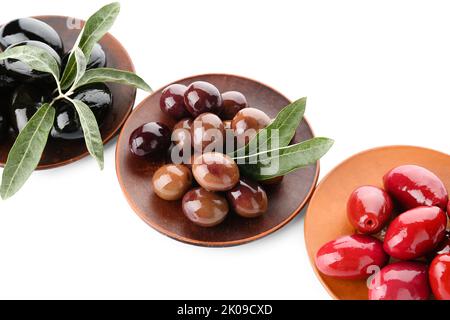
{"points": [[60, 152], [285, 200], [326, 217]]}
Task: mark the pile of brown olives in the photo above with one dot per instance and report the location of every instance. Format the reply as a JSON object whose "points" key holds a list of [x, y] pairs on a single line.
{"points": [[200, 173], [23, 90], [416, 241]]}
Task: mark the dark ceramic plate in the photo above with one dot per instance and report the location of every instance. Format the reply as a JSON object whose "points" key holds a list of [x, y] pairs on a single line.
{"points": [[61, 152], [285, 199]]}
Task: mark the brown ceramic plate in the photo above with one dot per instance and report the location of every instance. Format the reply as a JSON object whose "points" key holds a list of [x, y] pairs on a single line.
{"points": [[326, 217], [62, 152], [285, 200]]}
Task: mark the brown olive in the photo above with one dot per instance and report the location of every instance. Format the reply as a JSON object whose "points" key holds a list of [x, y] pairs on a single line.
{"points": [[207, 133], [247, 123], [247, 199], [204, 208], [171, 181], [215, 171], [233, 102], [227, 124]]}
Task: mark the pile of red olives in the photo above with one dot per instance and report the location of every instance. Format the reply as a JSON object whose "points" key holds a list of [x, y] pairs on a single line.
{"points": [[23, 90], [200, 173], [404, 256]]}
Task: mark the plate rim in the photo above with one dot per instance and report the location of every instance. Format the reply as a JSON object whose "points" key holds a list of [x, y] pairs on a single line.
{"points": [[199, 242], [114, 132], [318, 187]]}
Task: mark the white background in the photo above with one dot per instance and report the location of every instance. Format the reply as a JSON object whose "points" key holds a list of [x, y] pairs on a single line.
{"points": [[375, 73]]}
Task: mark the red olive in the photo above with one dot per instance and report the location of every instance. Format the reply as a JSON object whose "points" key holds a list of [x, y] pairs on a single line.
{"points": [[233, 102], [400, 281], [248, 199], [351, 257], [448, 209], [439, 275], [369, 209], [415, 233], [442, 247], [215, 171], [204, 208], [207, 133], [413, 186]]}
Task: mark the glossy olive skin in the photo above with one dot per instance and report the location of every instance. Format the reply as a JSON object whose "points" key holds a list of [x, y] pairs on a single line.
{"points": [[7, 82], [96, 60], [172, 101], [215, 171], [400, 281], [415, 233], [23, 73], [248, 199], [442, 248], [201, 97], [3, 126], [439, 276], [67, 124], [151, 140], [207, 132], [413, 186], [369, 208], [227, 125], [448, 209], [247, 123], [181, 137], [204, 208], [172, 181], [25, 101], [351, 257], [30, 29], [233, 102]]}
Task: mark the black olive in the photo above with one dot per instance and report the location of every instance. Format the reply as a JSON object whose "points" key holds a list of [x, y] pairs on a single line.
{"points": [[25, 101], [67, 123], [96, 60], [6, 81], [30, 29], [23, 73], [98, 97], [3, 126], [5, 101]]}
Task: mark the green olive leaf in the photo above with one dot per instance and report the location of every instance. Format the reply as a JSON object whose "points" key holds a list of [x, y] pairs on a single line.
{"points": [[274, 163], [113, 75], [285, 125], [94, 29], [27, 150], [91, 131], [81, 64], [36, 58]]}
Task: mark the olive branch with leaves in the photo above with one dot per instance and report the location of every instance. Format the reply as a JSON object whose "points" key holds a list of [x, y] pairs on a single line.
{"points": [[25, 154]]}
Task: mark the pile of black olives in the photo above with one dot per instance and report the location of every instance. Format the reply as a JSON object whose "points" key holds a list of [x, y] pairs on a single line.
{"points": [[23, 90], [207, 181]]}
